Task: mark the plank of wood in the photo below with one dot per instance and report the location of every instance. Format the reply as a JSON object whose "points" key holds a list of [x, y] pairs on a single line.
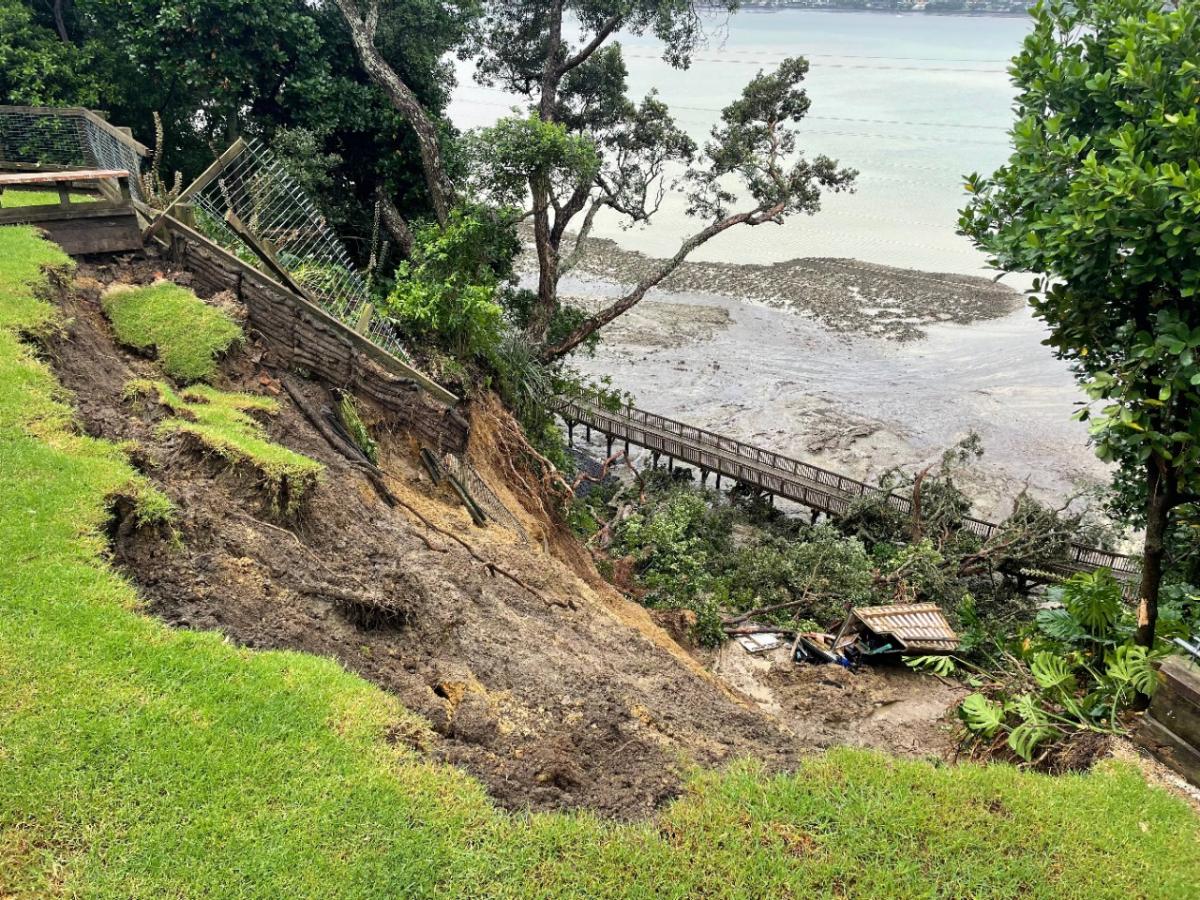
{"points": [[37, 215], [8, 179], [116, 232]]}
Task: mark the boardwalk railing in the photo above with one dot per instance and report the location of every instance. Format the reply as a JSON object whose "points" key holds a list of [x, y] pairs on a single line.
{"points": [[819, 489]]}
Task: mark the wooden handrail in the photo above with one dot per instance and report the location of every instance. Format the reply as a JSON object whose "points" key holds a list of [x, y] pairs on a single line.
{"points": [[811, 485]]}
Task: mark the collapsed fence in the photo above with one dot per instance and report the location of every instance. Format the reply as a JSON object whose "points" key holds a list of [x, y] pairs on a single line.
{"points": [[248, 203], [49, 138]]}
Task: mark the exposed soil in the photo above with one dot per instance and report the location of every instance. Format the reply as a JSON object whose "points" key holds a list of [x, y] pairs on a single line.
{"points": [[567, 697]]}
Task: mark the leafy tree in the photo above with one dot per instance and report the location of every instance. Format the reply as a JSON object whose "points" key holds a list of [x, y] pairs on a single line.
{"points": [[1101, 200], [283, 71], [583, 145], [447, 291], [582, 90], [37, 67]]}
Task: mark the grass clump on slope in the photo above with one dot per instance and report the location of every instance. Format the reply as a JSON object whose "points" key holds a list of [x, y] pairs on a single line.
{"points": [[137, 761], [186, 333], [221, 422]]}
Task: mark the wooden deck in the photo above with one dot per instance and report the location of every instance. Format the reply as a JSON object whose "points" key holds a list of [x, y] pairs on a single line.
{"points": [[811, 486], [104, 223]]}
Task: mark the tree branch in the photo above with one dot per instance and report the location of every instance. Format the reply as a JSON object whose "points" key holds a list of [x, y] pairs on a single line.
{"points": [[585, 229], [362, 35], [595, 322], [613, 23]]}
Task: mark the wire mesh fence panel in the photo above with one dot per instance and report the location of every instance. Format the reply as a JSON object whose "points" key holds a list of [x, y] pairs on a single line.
{"points": [[483, 495], [255, 200], [67, 139]]}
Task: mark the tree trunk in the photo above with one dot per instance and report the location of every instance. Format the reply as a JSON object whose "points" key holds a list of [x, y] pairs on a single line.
{"points": [[1158, 510], [394, 222], [1160, 500], [547, 254], [362, 34], [60, 21]]}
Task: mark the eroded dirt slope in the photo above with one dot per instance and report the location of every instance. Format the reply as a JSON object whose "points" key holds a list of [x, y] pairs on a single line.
{"points": [[550, 705], [562, 696]]}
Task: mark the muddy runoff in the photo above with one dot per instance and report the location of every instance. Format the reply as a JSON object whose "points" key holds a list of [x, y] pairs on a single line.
{"points": [[565, 695], [863, 369]]}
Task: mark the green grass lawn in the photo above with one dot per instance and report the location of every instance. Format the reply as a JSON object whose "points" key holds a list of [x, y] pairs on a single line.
{"points": [[186, 333], [137, 761], [19, 197]]}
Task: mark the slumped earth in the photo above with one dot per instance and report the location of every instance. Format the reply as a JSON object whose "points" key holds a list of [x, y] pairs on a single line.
{"points": [[578, 702]]}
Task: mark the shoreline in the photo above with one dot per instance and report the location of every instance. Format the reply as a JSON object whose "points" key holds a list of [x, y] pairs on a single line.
{"points": [[846, 296], [807, 379]]}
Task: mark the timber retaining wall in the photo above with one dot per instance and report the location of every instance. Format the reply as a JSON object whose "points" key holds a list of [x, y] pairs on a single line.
{"points": [[302, 336]]}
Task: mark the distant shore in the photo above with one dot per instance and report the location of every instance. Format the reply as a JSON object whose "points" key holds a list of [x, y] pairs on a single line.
{"points": [[958, 13]]}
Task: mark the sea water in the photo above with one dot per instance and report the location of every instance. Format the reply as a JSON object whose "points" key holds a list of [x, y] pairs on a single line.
{"points": [[912, 101]]}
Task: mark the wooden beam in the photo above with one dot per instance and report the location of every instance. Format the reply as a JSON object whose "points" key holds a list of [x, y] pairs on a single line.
{"points": [[263, 252], [207, 177]]}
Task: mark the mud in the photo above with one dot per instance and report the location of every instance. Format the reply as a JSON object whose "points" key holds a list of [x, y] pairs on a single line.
{"points": [[844, 295], [874, 706], [563, 696]]}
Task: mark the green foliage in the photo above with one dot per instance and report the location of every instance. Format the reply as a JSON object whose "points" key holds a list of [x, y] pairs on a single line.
{"points": [[983, 716], [186, 333], [944, 666], [347, 411], [36, 67], [281, 71], [753, 143], [508, 155], [1101, 201], [447, 292], [1077, 671], [290, 772], [221, 423]]}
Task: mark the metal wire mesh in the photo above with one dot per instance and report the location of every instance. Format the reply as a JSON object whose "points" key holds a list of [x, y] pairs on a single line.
{"points": [[483, 495], [64, 139], [255, 191]]}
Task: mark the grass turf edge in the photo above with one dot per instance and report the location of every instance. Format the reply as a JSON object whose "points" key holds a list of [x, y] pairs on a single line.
{"points": [[187, 334]]}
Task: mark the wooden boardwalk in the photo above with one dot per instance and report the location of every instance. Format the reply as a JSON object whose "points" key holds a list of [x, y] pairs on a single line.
{"points": [[811, 486]]}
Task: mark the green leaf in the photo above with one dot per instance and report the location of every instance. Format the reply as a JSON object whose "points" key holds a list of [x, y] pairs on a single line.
{"points": [[1025, 738], [938, 665], [1060, 625], [1132, 665], [1051, 671], [981, 715]]}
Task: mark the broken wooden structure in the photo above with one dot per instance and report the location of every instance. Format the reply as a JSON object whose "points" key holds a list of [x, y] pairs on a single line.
{"points": [[103, 222], [773, 473]]}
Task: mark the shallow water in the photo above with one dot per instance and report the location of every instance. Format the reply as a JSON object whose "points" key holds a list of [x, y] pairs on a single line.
{"points": [[859, 404], [912, 101]]}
